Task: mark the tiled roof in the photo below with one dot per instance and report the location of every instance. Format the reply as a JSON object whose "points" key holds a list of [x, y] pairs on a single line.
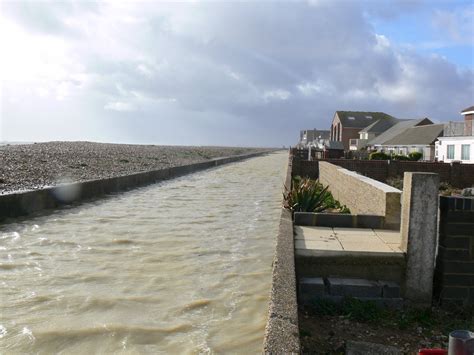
{"points": [[381, 125], [421, 135], [396, 129], [468, 109], [359, 119]]}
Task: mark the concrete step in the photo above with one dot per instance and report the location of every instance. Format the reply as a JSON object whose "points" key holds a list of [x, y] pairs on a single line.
{"points": [[355, 265], [384, 293]]}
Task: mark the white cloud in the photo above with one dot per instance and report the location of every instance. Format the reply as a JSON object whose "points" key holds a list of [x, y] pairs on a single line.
{"points": [[119, 106], [278, 94]]}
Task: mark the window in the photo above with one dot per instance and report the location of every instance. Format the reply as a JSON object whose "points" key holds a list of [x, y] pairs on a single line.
{"points": [[465, 151], [450, 151]]}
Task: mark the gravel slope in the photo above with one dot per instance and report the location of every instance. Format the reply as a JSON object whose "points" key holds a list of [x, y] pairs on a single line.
{"points": [[33, 166]]}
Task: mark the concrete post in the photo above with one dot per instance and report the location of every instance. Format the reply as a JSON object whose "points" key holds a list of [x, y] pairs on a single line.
{"points": [[419, 230]]}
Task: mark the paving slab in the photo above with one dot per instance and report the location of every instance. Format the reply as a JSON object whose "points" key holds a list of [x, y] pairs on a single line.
{"points": [[388, 236], [354, 231], [365, 244], [395, 247], [313, 232], [322, 244], [346, 240]]}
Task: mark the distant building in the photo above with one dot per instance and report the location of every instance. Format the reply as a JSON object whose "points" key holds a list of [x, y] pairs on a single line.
{"points": [[379, 142], [415, 139], [346, 125], [314, 137], [372, 131], [457, 143]]}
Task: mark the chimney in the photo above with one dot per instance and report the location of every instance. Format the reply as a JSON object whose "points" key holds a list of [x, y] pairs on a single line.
{"points": [[468, 121]]}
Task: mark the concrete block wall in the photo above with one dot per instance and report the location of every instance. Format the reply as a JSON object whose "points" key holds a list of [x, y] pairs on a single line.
{"points": [[454, 272], [362, 195]]}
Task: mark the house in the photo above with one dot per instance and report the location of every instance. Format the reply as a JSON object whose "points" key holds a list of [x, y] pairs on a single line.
{"points": [[457, 144], [316, 137], [415, 139], [378, 142], [372, 131], [346, 125]]}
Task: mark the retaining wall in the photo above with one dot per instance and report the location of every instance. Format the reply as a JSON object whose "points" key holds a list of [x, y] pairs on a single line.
{"points": [[282, 331], [26, 203], [456, 174], [363, 195], [454, 273]]}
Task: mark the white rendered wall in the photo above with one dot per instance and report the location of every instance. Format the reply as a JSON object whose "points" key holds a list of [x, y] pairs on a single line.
{"points": [[442, 145]]}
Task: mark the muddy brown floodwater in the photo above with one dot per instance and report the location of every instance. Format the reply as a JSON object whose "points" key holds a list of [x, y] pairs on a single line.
{"points": [[183, 266]]}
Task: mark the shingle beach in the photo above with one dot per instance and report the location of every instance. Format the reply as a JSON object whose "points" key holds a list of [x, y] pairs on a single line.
{"points": [[33, 166]]}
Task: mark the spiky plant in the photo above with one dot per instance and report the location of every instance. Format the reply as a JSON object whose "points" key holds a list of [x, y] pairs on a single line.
{"points": [[307, 195]]}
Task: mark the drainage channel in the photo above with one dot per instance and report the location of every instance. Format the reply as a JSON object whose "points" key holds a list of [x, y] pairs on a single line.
{"points": [[182, 266]]}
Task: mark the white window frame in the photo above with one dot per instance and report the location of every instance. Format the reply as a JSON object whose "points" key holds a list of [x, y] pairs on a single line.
{"points": [[453, 147], [466, 156]]}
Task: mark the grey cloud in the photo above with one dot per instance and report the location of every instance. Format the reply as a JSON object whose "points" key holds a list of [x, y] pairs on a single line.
{"points": [[261, 71]]}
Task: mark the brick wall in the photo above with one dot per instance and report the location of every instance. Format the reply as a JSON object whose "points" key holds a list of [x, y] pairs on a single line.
{"points": [[361, 194], [456, 174], [454, 273]]}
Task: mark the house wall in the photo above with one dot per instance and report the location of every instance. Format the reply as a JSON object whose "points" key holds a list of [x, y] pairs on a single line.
{"points": [[457, 175], [454, 273], [354, 190], [442, 147], [468, 124], [334, 134], [347, 134]]}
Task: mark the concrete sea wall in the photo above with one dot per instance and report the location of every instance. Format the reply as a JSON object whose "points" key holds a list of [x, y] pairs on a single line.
{"points": [[29, 202], [282, 331]]}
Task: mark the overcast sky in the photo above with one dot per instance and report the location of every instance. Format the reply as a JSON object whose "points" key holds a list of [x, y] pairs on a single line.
{"points": [[226, 73]]}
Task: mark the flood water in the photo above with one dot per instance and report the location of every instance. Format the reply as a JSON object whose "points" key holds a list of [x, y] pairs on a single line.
{"points": [[182, 266]]}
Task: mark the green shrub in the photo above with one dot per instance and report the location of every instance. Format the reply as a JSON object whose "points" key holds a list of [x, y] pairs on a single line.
{"points": [[378, 156], [400, 157], [415, 156]]}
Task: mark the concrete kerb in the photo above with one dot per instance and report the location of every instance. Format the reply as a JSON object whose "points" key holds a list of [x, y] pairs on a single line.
{"points": [[25, 203], [281, 331]]}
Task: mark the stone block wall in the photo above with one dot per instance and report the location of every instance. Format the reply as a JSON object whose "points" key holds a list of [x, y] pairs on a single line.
{"points": [[454, 273], [361, 194]]}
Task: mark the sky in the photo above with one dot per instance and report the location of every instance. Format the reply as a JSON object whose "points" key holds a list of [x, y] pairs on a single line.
{"points": [[240, 73]]}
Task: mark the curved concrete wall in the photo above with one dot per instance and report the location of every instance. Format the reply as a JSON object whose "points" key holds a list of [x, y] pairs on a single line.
{"points": [[28, 202], [282, 332]]}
